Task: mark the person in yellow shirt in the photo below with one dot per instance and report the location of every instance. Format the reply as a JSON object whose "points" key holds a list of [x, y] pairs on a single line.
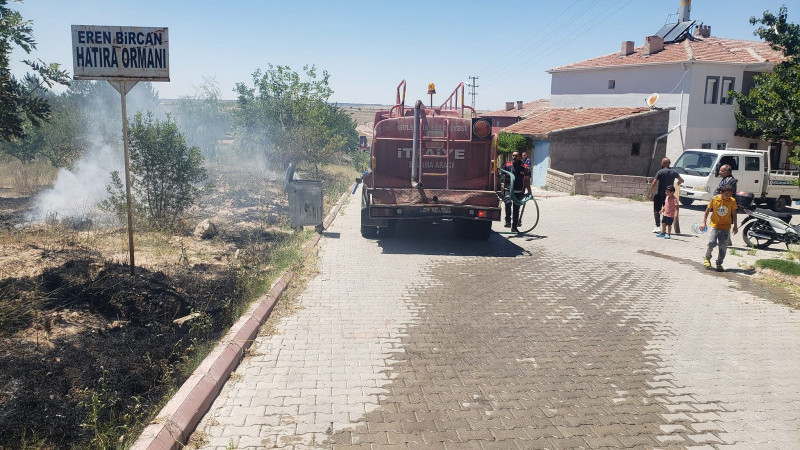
{"points": [[723, 216]]}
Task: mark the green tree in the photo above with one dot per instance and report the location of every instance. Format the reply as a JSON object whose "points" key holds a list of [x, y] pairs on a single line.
{"points": [[61, 140], [164, 173], [22, 101], [204, 118], [290, 119], [509, 142], [771, 110], [87, 113]]}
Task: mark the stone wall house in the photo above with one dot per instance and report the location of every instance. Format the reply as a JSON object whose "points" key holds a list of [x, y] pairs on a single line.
{"points": [[691, 72], [622, 141]]}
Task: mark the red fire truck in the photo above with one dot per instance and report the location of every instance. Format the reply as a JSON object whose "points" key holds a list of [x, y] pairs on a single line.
{"points": [[430, 163]]}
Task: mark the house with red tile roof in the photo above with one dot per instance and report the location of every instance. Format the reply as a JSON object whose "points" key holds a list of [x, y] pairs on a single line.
{"points": [[692, 73], [514, 112], [621, 141]]}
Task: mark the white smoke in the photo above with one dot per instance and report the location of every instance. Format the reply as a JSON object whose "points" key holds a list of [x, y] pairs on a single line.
{"points": [[77, 191]]}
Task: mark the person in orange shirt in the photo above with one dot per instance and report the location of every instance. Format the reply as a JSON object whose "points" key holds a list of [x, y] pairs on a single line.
{"points": [[723, 216]]}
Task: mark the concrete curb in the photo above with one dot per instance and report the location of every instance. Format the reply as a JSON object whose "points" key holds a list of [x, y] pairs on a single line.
{"points": [[180, 416]]}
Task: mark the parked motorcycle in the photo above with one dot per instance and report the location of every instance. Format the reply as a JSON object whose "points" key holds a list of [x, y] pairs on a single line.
{"points": [[763, 227]]}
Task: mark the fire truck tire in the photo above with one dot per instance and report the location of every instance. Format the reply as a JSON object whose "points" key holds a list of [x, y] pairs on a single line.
{"points": [[369, 231], [390, 229], [472, 229]]}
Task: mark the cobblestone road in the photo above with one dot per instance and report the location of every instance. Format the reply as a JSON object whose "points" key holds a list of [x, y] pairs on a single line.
{"points": [[593, 333]]}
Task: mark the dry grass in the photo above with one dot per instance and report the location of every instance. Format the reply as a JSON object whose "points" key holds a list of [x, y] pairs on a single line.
{"points": [[68, 288], [18, 179]]}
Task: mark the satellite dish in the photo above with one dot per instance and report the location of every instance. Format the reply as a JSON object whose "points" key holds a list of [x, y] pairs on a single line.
{"points": [[652, 99]]}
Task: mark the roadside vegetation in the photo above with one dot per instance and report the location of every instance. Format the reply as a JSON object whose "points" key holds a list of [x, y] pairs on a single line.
{"points": [[784, 266], [89, 351]]}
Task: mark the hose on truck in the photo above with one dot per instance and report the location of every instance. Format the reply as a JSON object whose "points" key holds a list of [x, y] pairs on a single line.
{"points": [[359, 180], [521, 202]]}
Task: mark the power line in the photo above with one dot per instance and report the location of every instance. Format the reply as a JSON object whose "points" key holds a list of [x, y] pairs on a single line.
{"points": [[521, 47], [509, 70], [473, 86]]}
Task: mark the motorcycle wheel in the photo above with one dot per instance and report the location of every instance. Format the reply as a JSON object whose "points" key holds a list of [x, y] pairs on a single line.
{"points": [[793, 244], [753, 241]]}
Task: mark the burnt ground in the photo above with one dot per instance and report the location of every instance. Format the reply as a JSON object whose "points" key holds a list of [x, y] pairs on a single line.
{"points": [[88, 351]]}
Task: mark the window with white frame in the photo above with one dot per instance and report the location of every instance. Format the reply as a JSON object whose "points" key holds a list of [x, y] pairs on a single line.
{"points": [[712, 89], [722, 145], [706, 145], [612, 84], [728, 84]]}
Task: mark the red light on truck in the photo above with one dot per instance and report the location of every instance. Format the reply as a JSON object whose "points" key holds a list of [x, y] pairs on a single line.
{"points": [[481, 213]]}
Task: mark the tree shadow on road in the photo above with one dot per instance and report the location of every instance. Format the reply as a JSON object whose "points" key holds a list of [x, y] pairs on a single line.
{"points": [[438, 238]]}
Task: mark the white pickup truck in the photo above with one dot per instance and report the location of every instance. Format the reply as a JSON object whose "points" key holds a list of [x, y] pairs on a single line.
{"points": [[699, 169]]}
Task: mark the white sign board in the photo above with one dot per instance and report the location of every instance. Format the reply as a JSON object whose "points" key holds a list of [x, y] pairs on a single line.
{"points": [[120, 53]]}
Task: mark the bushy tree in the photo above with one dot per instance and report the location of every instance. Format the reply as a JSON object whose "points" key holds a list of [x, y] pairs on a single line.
{"points": [[89, 112], [204, 118], [289, 118], [509, 142], [771, 110], [165, 173], [61, 140], [22, 101]]}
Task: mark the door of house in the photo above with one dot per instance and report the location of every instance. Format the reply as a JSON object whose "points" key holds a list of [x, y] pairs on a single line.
{"points": [[540, 162]]}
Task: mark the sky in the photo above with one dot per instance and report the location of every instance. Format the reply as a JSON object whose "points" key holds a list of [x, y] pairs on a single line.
{"points": [[368, 47]]}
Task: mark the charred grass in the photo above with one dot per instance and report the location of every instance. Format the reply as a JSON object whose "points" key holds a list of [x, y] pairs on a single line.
{"points": [[89, 350]]}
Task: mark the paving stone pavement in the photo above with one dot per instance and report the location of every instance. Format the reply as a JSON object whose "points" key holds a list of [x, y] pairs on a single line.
{"points": [[591, 333]]}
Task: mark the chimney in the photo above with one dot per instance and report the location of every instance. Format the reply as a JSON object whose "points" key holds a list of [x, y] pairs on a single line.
{"points": [[519, 104], [627, 48], [509, 106], [685, 11], [702, 31], [653, 44]]}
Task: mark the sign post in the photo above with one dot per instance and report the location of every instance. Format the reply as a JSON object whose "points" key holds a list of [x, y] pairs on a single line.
{"points": [[122, 56]]}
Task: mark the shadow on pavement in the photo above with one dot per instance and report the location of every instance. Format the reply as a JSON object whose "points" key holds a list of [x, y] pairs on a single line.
{"points": [[438, 238]]}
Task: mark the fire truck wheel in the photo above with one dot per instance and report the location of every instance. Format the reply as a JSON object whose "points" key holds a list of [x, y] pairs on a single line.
{"points": [[390, 229], [472, 229], [368, 231]]}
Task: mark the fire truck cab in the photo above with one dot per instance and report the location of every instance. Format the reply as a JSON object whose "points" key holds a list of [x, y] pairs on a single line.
{"points": [[430, 163]]}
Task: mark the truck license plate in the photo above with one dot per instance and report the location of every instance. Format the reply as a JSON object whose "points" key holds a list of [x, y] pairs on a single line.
{"points": [[435, 210]]}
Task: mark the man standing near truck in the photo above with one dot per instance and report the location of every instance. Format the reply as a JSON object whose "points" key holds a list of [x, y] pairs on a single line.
{"points": [[664, 177], [522, 184], [727, 179]]}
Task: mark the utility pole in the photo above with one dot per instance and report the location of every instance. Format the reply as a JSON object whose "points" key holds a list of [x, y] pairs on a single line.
{"points": [[473, 86]]}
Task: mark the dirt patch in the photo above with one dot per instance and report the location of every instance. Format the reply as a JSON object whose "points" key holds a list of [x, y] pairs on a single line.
{"points": [[792, 283], [88, 350]]}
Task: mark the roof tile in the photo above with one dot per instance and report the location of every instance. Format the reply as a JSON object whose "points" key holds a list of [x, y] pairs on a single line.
{"points": [[557, 119], [527, 109], [712, 49]]}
